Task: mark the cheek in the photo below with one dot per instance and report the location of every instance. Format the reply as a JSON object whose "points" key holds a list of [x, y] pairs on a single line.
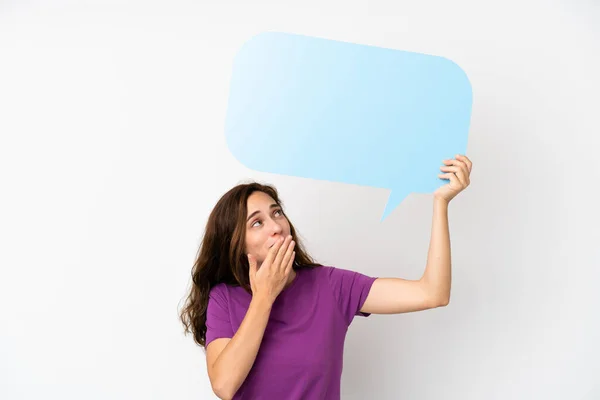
{"points": [[248, 242], [253, 242]]}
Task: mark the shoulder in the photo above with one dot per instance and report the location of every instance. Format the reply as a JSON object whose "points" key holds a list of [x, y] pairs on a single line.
{"points": [[337, 277], [218, 297], [336, 273], [223, 292], [319, 272], [220, 289]]}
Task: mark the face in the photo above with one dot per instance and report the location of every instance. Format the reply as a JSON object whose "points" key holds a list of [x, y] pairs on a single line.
{"points": [[264, 225]]}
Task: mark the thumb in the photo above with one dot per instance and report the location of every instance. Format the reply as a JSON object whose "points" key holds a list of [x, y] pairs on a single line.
{"points": [[252, 263]]}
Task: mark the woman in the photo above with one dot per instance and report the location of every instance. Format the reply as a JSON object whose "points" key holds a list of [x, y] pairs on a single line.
{"points": [[272, 320]]}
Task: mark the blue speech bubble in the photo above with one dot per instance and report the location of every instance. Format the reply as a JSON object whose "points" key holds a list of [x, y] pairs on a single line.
{"points": [[337, 111]]}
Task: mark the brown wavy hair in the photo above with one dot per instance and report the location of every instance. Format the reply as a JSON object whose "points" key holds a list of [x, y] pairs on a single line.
{"points": [[221, 257]]}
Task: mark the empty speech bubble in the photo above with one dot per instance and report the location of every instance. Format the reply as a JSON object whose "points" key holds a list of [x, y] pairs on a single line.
{"points": [[336, 111]]}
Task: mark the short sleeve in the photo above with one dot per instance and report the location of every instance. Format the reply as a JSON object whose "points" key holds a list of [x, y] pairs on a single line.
{"points": [[218, 323], [350, 289]]}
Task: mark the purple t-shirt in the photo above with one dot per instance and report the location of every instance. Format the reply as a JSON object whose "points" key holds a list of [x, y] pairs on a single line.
{"points": [[300, 356]]}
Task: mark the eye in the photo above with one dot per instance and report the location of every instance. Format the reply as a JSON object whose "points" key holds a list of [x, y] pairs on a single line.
{"points": [[278, 211]]}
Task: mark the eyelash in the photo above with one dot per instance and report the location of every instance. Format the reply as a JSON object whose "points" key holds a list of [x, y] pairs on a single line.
{"points": [[276, 211]]}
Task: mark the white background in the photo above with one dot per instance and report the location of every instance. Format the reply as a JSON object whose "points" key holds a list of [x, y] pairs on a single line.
{"points": [[112, 154]]}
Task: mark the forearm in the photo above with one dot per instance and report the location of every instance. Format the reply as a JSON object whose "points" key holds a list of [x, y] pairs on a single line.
{"points": [[437, 273], [235, 361]]}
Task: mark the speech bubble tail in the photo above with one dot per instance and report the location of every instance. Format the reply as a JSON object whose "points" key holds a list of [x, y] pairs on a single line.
{"points": [[396, 197]]}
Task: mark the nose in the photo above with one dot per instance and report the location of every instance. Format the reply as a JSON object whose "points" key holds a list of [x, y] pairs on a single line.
{"points": [[276, 227]]}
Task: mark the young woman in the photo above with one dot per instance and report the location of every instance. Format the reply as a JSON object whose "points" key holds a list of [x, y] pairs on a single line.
{"points": [[272, 320]]}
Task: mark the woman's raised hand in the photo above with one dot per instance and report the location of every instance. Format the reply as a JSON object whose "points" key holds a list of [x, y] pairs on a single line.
{"points": [[272, 276]]}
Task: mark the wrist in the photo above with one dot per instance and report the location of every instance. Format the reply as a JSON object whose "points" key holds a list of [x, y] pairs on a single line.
{"points": [[440, 201], [263, 301]]}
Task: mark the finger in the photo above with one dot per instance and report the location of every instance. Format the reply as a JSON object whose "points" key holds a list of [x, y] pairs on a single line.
{"points": [[458, 172], [252, 263], [288, 254], [466, 160], [281, 252], [465, 164], [273, 251], [290, 263], [457, 163], [463, 161], [451, 177]]}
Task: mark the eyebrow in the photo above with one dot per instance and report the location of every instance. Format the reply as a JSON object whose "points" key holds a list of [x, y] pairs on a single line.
{"points": [[274, 205]]}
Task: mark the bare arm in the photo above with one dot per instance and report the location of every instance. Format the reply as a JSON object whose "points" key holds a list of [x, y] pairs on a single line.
{"points": [[229, 360], [396, 295], [437, 276]]}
